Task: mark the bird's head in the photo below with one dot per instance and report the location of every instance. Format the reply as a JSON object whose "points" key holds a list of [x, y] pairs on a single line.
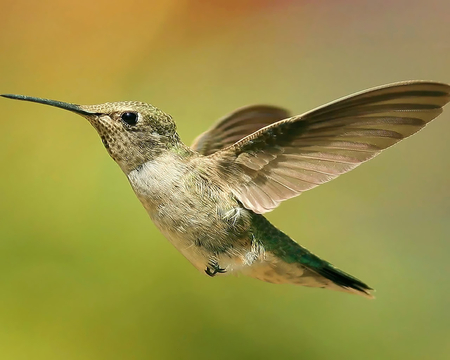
{"points": [[132, 132]]}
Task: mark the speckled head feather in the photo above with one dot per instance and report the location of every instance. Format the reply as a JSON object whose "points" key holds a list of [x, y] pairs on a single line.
{"points": [[132, 144]]}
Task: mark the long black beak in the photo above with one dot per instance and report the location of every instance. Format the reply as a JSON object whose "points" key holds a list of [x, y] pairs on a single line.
{"points": [[60, 104]]}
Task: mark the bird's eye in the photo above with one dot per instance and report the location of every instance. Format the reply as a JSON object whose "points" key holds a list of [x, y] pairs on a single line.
{"points": [[130, 118]]}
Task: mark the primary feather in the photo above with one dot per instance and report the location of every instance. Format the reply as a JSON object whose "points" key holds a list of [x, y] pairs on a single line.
{"points": [[293, 155]]}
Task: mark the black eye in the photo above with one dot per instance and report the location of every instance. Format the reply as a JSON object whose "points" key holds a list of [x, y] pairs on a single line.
{"points": [[130, 118]]}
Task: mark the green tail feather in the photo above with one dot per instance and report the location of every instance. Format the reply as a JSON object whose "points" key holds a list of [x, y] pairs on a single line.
{"points": [[343, 279], [291, 263]]}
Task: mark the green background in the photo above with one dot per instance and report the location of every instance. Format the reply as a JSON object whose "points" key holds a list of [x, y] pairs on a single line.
{"points": [[84, 274]]}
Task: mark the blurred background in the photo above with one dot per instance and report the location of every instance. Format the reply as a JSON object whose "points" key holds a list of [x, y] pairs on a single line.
{"points": [[86, 275]]}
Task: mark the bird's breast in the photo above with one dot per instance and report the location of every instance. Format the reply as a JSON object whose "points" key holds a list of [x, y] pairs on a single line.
{"points": [[200, 218]]}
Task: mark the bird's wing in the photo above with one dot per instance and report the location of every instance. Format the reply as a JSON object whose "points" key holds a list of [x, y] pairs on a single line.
{"points": [[291, 156], [236, 126]]}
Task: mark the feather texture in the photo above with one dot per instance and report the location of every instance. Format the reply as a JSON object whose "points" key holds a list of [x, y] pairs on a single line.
{"points": [[236, 126], [293, 155]]}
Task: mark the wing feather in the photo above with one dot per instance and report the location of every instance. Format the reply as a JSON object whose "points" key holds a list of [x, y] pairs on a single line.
{"points": [[290, 156], [236, 126]]}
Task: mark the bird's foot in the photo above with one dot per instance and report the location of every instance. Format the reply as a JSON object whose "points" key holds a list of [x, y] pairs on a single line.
{"points": [[213, 268]]}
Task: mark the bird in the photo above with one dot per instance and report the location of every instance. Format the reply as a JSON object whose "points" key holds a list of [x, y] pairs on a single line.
{"points": [[208, 199]]}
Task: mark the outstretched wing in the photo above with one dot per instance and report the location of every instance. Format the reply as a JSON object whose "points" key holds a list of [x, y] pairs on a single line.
{"points": [[290, 156], [236, 126]]}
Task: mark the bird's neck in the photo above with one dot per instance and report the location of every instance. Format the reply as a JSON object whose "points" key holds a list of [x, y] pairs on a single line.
{"points": [[159, 178], [152, 152]]}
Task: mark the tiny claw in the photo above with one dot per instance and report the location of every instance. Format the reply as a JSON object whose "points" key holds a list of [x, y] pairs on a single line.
{"points": [[215, 269]]}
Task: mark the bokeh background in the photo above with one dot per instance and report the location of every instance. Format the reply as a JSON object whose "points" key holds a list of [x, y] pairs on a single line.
{"points": [[84, 274]]}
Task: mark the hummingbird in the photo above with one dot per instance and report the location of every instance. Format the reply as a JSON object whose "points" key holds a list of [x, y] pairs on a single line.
{"points": [[208, 199]]}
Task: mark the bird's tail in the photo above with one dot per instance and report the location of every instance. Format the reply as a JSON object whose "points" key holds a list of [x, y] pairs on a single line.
{"points": [[285, 261]]}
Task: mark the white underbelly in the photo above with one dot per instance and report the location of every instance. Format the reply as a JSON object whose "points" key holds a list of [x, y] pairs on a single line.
{"points": [[200, 258]]}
